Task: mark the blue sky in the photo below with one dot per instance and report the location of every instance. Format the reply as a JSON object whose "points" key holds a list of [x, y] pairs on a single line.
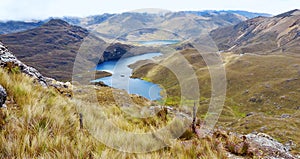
{"points": [[41, 9]]}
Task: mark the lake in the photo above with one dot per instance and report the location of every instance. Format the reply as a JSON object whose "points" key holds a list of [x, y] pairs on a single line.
{"points": [[121, 73], [121, 77]]}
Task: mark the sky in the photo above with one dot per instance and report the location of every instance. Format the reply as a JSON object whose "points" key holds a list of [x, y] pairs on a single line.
{"points": [[42, 9]]}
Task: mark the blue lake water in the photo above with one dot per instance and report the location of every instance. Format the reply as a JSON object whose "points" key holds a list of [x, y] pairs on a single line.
{"points": [[121, 77]]}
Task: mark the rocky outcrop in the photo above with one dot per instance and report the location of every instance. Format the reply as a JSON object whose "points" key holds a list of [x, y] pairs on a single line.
{"points": [[264, 146], [50, 48], [3, 95], [7, 59], [254, 145]]}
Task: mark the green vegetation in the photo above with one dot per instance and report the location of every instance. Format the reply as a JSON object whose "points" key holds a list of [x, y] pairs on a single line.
{"points": [[10, 67], [263, 86]]}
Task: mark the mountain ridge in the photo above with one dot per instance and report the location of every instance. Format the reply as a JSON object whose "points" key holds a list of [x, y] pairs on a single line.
{"points": [[17, 26], [51, 45], [261, 35], [11, 26]]}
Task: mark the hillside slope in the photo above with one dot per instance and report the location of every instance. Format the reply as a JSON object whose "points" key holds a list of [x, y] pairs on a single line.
{"points": [[262, 35], [262, 90], [51, 48], [40, 122]]}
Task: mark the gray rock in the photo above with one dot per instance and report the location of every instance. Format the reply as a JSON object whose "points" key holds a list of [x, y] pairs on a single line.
{"points": [[7, 57], [249, 114], [291, 79], [252, 99], [3, 96], [290, 145], [285, 116], [255, 100], [267, 86], [246, 92], [270, 147], [263, 129]]}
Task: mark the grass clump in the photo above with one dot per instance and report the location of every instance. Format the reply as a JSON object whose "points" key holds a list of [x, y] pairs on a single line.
{"points": [[41, 123]]}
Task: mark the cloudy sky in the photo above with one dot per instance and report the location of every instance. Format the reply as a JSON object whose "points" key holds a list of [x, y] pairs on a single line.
{"points": [[41, 9]]}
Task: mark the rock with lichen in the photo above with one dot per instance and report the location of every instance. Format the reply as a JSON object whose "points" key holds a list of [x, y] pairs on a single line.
{"points": [[3, 95]]}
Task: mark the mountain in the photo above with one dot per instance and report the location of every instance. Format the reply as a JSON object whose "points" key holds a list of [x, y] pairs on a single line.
{"points": [[17, 26], [262, 91], [97, 19], [87, 21], [132, 26], [262, 35], [245, 14], [51, 48], [52, 45], [90, 21]]}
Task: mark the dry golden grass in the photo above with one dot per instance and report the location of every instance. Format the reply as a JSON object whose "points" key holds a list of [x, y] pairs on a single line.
{"points": [[41, 123]]}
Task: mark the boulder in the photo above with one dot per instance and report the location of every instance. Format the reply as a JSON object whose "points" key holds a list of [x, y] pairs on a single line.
{"points": [[3, 95], [264, 146], [284, 116]]}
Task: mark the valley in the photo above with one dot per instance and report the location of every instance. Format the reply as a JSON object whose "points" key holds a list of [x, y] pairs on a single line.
{"points": [[76, 87]]}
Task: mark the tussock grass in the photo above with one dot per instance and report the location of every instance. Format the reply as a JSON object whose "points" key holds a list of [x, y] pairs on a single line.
{"points": [[41, 123]]}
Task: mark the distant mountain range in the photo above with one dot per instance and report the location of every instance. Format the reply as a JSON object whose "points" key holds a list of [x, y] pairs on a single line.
{"points": [[246, 14], [131, 25], [17, 26], [52, 45], [262, 35]]}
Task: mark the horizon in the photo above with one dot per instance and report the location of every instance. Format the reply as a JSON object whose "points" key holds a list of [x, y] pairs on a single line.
{"points": [[134, 11], [40, 10]]}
